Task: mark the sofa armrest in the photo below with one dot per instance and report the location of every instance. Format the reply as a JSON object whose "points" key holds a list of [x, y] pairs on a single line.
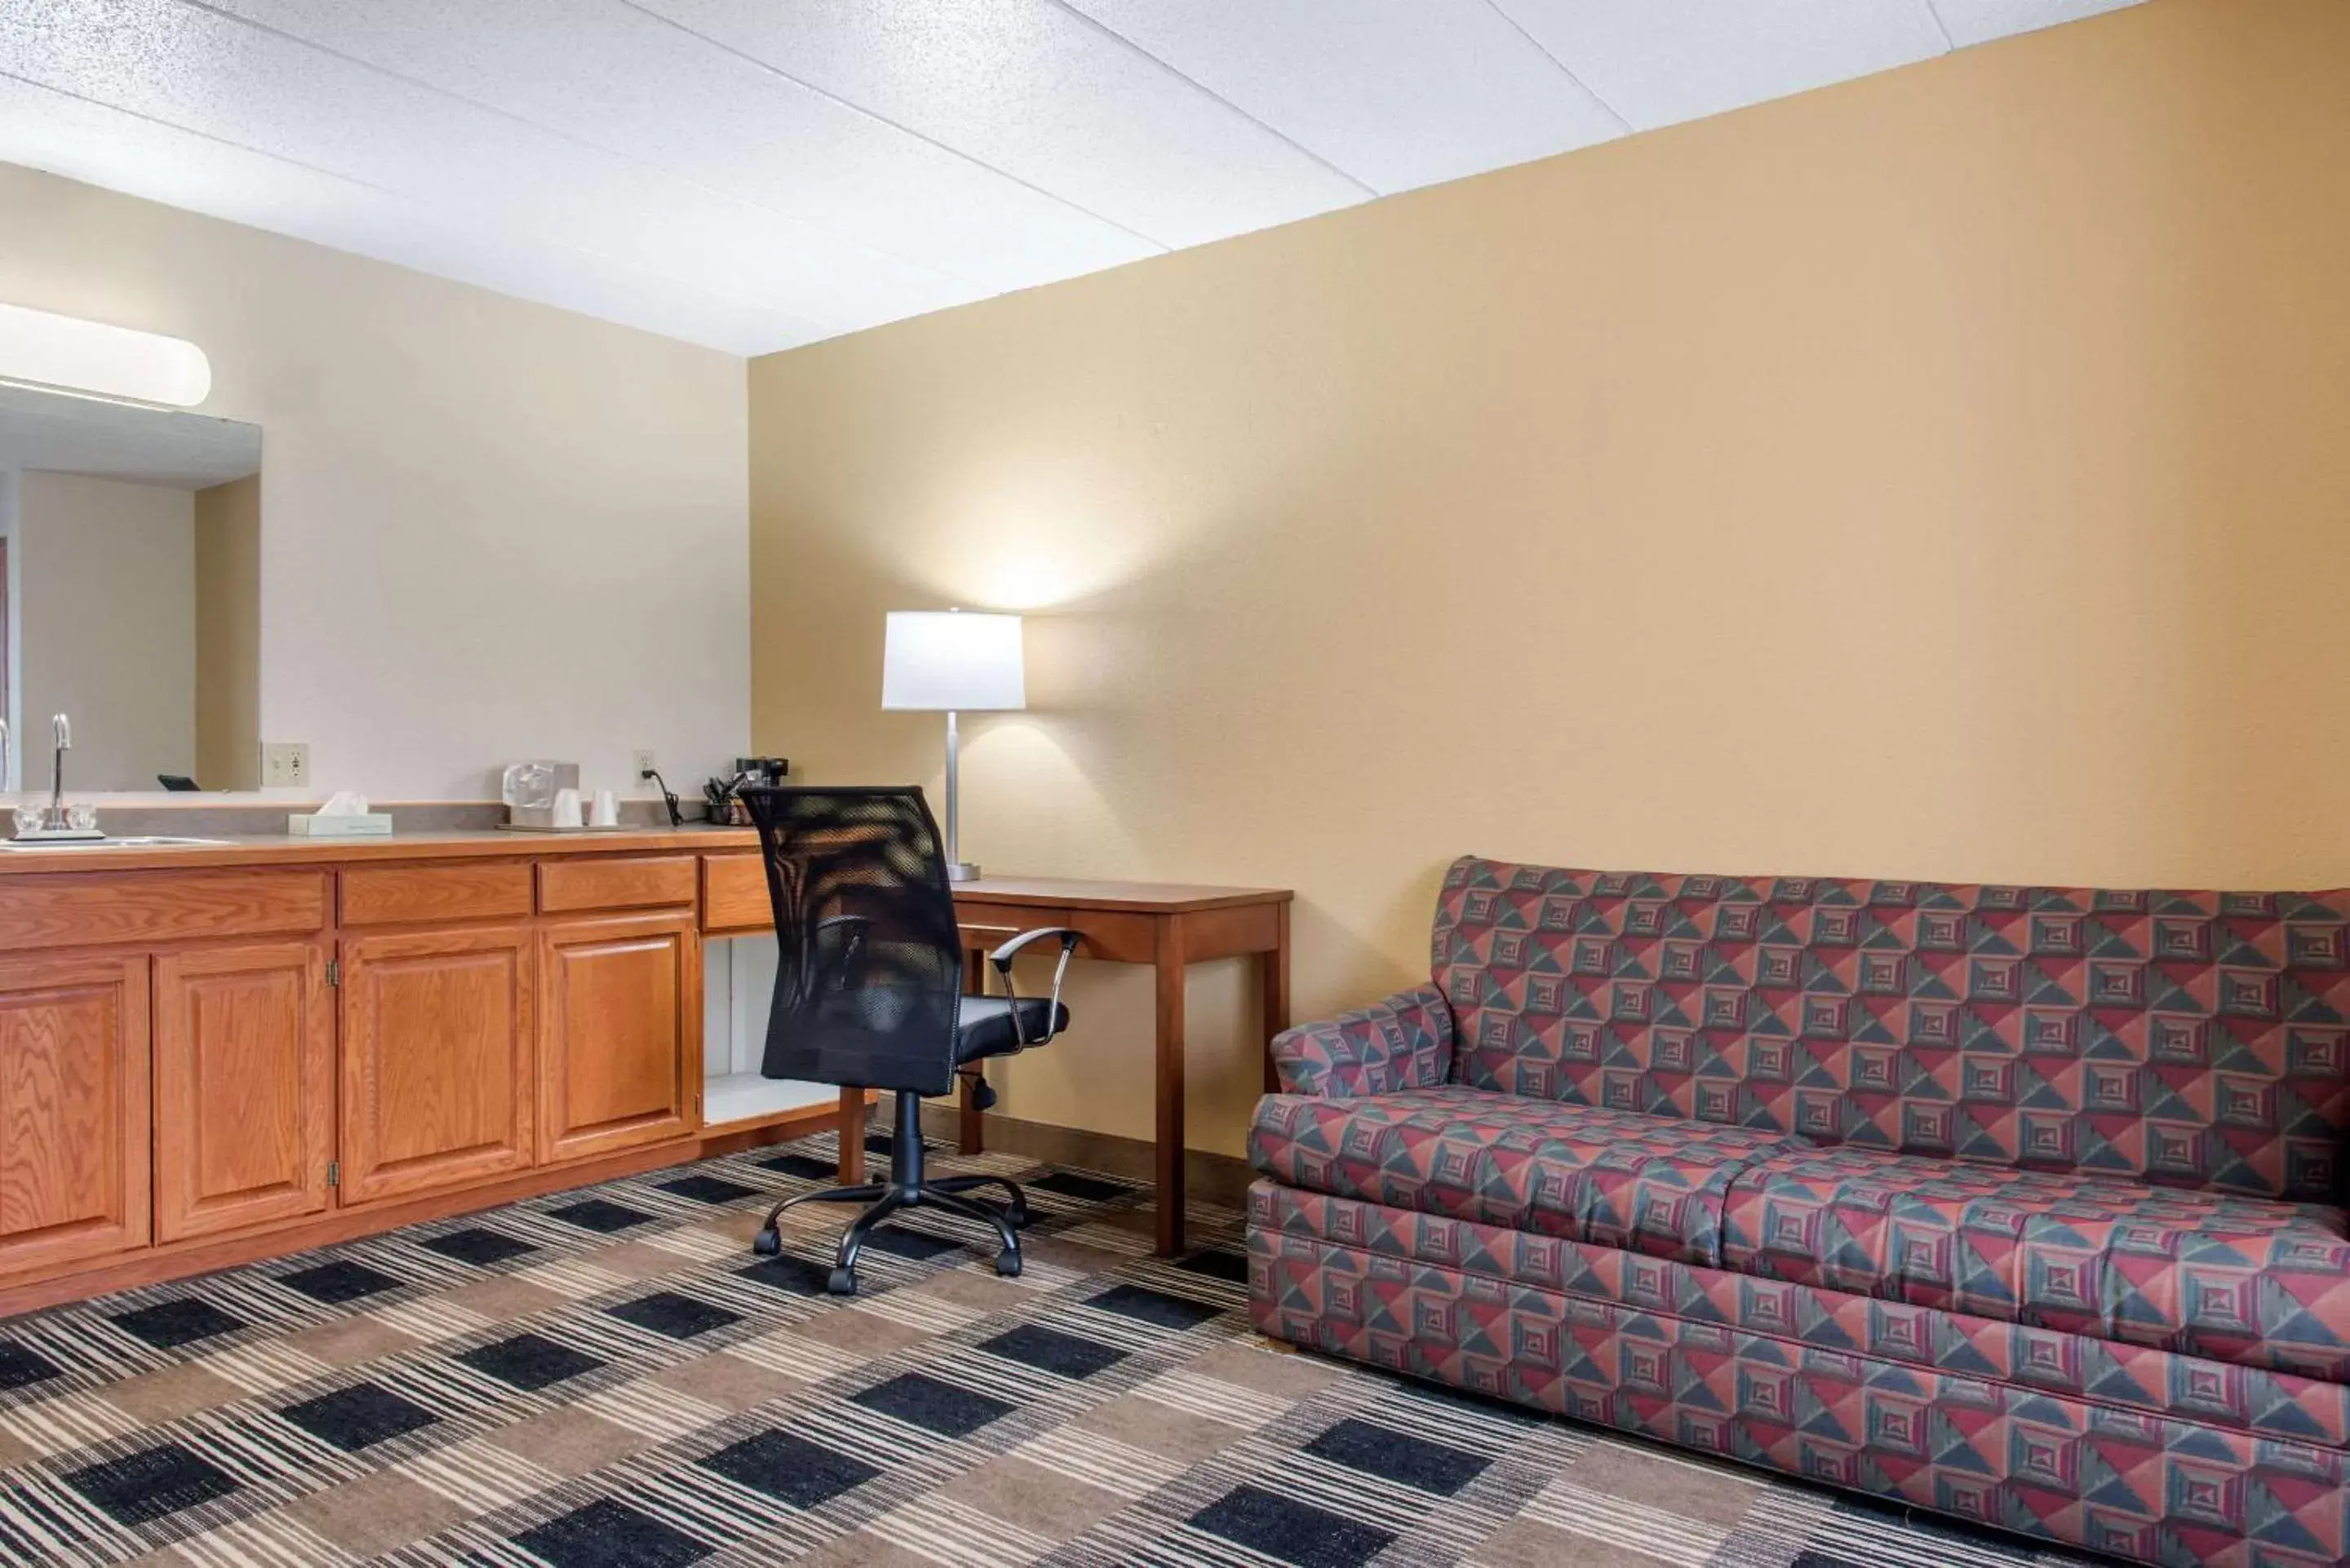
{"points": [[1403, 1043]]}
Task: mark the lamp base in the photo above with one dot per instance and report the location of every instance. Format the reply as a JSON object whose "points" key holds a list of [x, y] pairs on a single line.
{"points": [[961, 871]]}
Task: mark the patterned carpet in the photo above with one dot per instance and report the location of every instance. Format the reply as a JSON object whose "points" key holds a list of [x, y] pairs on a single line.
{"points": [[609, 1377]]}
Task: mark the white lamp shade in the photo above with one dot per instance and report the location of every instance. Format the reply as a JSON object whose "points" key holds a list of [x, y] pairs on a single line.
{"points": [[932, 660], [91, 357]]}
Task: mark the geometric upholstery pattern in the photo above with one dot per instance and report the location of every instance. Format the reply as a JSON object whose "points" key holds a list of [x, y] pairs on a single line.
{"points": [[2244, 1281], [1403, 1043], [2136, 1452], [1615, 1178], [2185, 1039]]}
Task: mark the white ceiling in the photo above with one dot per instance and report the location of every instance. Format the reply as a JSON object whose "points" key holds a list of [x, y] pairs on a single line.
{"points": [[754, 175]]}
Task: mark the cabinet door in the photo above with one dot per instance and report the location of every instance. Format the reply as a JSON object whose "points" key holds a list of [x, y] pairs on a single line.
{"points": [[73, 1110], [620, 1034], [437, 1053], [245, 1090]]}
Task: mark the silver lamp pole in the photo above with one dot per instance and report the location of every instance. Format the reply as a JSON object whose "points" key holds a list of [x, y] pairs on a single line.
{"points": [[958, 868]]}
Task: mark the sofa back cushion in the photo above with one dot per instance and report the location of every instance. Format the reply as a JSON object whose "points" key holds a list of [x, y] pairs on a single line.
{"points": [[2189, 1039]]}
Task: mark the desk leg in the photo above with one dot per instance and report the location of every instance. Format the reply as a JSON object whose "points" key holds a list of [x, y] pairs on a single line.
{"points": [[974, 1130], [1274, 976], [1169, 965], [852, 1135]]}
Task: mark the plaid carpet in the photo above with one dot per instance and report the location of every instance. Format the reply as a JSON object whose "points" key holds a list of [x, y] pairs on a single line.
{"points": [[609, 1377]]}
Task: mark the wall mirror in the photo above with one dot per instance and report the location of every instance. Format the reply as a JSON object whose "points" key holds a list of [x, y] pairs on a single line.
{"points": [[131, 548]]}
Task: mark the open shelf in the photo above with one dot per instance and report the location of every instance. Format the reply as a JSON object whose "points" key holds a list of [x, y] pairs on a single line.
{"points": [[744, 1097]]}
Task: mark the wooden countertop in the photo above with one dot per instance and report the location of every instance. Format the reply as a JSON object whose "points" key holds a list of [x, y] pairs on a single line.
{"points": [[283, 849]]}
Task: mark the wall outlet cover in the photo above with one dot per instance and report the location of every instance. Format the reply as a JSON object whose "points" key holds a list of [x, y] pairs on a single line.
{"points": [[646, 761], [285, 764]]}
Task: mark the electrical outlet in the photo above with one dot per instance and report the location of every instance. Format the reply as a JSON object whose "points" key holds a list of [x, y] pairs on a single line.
{"points": [[646, 762], [285, 764]]}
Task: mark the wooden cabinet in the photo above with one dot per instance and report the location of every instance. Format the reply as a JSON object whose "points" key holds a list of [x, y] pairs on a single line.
{"points": [[73, 1109], [245, 1086], [619, 1033], [437, 1059]]}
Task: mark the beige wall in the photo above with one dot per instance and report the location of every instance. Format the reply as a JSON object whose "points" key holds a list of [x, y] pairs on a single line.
{"points": [[493, 529], [1940, 475], [108, 597], [228, 635]]}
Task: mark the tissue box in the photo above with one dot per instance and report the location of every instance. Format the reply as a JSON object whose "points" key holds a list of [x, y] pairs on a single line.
{"points": [[353, 824]]}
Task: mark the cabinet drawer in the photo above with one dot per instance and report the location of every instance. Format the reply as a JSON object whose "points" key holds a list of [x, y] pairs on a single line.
{"points": [[633, 882], [394, 894], [75, 911], [988, 925], [734, 894]]}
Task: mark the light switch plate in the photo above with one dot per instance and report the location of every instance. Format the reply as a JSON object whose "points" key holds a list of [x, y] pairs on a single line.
{"points": [[285, 764]]}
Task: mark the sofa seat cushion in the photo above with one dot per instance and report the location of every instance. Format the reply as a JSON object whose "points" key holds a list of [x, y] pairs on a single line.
{"points": [[1618, 1178], [2247, 1281]]}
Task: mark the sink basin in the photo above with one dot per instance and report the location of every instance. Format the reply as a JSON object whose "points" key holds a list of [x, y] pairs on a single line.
{"points": [[150, 841]]}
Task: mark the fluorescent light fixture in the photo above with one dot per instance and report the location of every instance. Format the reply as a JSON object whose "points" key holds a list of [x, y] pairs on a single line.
{"points": [[91, 357]]}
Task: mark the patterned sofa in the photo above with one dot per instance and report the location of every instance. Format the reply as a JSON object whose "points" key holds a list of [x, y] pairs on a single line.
{"points": [[2014, 1203]]}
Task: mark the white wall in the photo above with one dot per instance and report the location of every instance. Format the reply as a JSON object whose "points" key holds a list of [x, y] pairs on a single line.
{"points": [[106, 596], [490, 529]]}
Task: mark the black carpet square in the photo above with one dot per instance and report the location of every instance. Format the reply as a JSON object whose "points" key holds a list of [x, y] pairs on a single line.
{"points": [[340, 1281], [171, 1325], [1154, 1307], [666, 1312], [140, 1487], [1084, 1189], [600, 1214], [795, 1276], [529, 1362], [805, 1167], [1392, 1456], [1230, 1267], [477, 1246], [1291, 1530], [788, 1468], [20, 1367], [608, 1534], [914, 1246], [359, 1416], [920, 1400], [708, 1188], [1050, 1350]]}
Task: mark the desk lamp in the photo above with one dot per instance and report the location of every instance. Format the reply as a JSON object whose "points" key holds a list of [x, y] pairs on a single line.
{"points": [[946, 661]]}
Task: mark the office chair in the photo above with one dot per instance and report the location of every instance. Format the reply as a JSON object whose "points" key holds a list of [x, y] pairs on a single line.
{"points": [[868, 992]]}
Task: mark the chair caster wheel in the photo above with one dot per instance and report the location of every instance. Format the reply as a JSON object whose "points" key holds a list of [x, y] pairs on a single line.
{"points": [[767, 1243], [1008, 1264], [843, 1282]]}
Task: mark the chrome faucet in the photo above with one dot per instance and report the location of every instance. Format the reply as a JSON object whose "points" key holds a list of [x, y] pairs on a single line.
{"points": [[54, 819]]}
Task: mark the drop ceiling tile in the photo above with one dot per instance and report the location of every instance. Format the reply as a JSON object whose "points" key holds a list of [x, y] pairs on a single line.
{"points": [[1980, 21], [1398, 93], [1660, 63], [617, 77], [200, 71], [1032, 88], [103, 146]]}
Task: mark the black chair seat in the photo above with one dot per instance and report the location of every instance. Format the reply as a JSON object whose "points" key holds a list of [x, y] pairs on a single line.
{"points": [[984, 1024]]}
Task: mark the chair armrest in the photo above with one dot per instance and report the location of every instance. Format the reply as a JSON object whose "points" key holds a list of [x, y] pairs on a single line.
{"points": [[1002, 959], [1403, 1043]]}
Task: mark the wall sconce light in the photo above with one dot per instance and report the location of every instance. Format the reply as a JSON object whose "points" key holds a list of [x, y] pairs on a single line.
{"points": [[90, 356]]}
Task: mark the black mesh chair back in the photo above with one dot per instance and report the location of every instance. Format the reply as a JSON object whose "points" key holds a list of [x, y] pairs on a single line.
{"points": [[868, 974]]}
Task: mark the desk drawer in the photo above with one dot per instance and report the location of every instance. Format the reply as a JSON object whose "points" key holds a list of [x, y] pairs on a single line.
{"points": [[72, 910], [402, 895], [632, 882], [734, 895], [984, 925]]}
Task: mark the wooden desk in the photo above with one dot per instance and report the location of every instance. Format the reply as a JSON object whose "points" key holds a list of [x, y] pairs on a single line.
{"points": [[1169, 926]]}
